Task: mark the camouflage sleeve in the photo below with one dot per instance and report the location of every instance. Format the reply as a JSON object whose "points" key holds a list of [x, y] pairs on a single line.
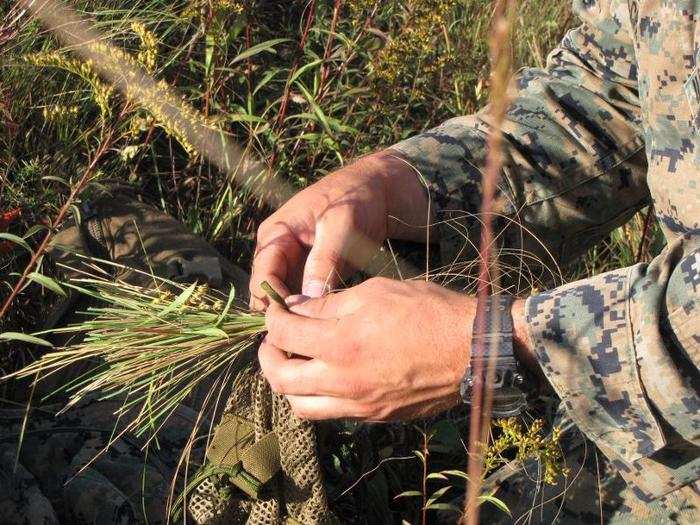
{"points": [[616, 345], [622, 348], [574, 160]]}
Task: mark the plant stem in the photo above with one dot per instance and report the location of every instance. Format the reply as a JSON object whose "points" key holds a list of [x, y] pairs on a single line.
{"points": [[75, 191], [482, 395], [272, 294]]}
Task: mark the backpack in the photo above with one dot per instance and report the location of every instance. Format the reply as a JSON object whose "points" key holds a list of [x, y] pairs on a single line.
{"points": [[260, 465]]}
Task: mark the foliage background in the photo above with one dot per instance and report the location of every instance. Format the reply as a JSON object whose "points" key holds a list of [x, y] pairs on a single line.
{"points": [[306, 86]]}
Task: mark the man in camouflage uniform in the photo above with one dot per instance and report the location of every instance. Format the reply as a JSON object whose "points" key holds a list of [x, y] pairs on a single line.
{"points": [[612, 124]]}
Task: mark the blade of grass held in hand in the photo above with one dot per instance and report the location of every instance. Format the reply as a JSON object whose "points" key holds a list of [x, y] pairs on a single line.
{"points": [[272, 294]]}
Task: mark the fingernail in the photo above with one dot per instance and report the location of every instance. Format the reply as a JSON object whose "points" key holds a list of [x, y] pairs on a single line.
{"points": [[296, 300], [314, 289]]}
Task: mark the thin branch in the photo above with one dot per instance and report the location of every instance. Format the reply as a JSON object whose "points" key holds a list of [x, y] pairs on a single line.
{"points": [[63, 212]]}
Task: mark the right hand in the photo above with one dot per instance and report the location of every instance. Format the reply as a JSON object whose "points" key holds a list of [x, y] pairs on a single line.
{"points": [[305, 245]]}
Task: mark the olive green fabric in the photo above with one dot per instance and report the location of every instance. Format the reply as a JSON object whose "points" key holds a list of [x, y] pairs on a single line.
{"points": [[257, 423], [252, 463]]}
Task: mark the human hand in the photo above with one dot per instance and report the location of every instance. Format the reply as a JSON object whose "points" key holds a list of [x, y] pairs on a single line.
{"points": [[382, 350], [335, 225]]}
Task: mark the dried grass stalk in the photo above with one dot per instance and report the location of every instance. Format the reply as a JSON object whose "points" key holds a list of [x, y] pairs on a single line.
{"points": [[151, 346]]}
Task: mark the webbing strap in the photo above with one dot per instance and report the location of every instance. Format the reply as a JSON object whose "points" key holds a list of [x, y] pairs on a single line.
{"points": [[251, 463]]}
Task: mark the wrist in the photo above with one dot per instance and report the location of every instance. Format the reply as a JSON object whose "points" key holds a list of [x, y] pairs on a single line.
{"points": [[461, 325]]}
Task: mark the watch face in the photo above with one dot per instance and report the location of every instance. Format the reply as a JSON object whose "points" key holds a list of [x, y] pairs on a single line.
{"points": [[508, 402]]}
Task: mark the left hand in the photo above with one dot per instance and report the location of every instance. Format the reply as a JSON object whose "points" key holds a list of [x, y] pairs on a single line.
{"points": [[382, 350]]}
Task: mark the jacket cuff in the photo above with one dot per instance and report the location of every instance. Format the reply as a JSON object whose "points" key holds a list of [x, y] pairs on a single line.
{"points": [[582, 337]]}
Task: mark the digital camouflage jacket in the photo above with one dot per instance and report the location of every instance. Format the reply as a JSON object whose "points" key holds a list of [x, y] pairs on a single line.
{"points": [[610, 125]]}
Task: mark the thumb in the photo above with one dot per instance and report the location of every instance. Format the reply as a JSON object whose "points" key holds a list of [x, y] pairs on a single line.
{"points": [[324, 263], [331, 306]]}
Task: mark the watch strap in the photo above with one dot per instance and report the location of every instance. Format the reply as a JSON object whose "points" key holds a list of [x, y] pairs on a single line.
{"points": [[496, 342]]}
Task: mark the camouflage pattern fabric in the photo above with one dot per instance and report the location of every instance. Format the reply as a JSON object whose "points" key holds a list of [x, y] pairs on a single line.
{"points": [[593, 492], [609, 126]]}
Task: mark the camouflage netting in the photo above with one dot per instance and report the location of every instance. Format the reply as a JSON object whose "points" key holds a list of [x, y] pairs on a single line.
{"points": [[296, 494]]}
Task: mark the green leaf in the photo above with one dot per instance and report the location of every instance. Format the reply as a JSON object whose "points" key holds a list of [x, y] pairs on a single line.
{"points": [[303, 69], [243, 117], [25, 338], [77, 215], [46, 282], [445, 506], [420, 455], [259, 48], [437, 495], [436, 475], [315, 107], [209, 53], [459, 473], [179, 300], [53, 178], [211, 332], [16, 240], [265, 80], [229, 302], [34, 230], [495, 501], [409, 494]]}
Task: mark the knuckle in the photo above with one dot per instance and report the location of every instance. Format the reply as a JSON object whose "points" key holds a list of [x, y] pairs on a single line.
{"points": [[271, 377], [273, 374], [300, 412], [275, 328], [381, 281], [376, 284], [371, 283], [274, 386], [368, 411], [260, 235], [276, 381], [357, 390]]}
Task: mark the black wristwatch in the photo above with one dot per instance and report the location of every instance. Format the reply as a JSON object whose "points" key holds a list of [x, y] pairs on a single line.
{"points": [[510, 380]]}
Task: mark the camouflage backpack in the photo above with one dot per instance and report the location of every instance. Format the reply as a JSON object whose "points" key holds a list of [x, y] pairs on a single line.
{"points": [[261, 463]]}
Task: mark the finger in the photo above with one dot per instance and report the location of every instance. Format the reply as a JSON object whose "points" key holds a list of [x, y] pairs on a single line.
{"points": [[299, 335], [278, 259], [270, 264], [259, 299], [330, 306], [303, 377], [324, 263], [326, 407]]}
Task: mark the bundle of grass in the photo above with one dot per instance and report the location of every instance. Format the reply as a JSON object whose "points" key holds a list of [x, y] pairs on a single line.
{"points": [[150, 346]]}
